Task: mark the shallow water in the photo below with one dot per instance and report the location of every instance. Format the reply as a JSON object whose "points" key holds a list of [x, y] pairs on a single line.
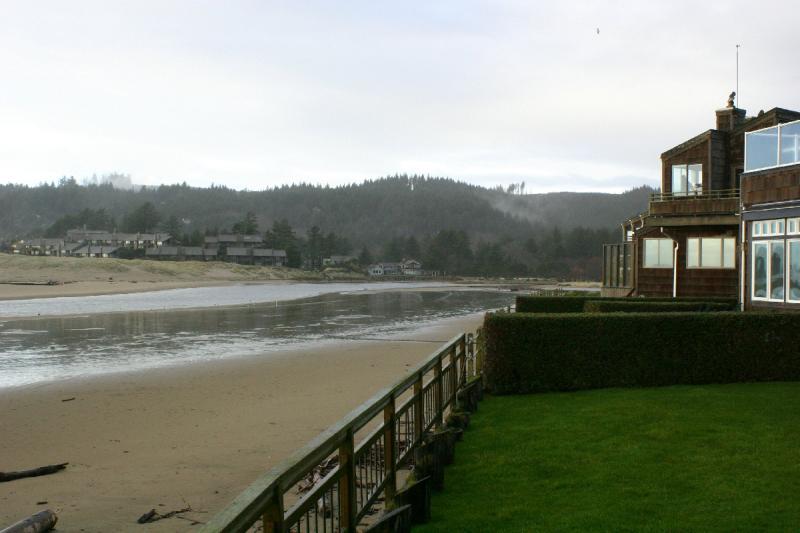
{"points": [[37, 349], [190, 298]]}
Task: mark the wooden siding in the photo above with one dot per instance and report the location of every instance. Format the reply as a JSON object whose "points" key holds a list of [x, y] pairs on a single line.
{"points": [[692, 281], [774, 185], [692, 155]]}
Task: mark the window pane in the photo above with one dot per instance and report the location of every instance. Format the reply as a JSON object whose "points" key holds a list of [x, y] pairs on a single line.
{"points": [[711, 251], [756, 228], [729, 252], [695, 179], [693, 253], [790, 144], [650, 253], [679, 180], [665, 252], [794, 270], [760, 270], [776, 271], [761, 149]]}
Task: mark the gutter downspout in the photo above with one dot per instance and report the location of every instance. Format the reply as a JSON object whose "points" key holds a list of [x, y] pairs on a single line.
{"points": [[674, 262], [675, 270], [742, 265]]}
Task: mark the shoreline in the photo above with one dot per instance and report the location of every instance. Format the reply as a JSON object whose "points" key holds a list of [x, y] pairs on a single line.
{"points": [[197, 434]]}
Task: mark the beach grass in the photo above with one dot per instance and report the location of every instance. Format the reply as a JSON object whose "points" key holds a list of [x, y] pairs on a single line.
{"points": [[686, 458]]}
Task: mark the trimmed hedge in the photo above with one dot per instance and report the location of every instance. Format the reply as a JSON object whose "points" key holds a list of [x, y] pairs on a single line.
{"points": [[550, 352], [636, 306], [575, 304]]}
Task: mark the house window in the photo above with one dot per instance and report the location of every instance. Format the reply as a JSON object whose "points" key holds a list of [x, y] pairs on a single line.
{"points": [[760, 253], [657, 253], [687, 180], [711, 252], [770, 228], [769, 270], [793, 226], [794, 271]]}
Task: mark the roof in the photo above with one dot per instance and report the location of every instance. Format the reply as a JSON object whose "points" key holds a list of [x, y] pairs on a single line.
{"points": [[268, 252], [193, 250], [238, 251]]}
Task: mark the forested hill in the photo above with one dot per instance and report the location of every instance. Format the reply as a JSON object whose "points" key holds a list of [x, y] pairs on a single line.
{"points": [[367, 213], [370, 214]]}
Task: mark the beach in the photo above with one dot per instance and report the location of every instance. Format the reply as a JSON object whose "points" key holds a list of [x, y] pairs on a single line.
{"points": [[186, 436]]}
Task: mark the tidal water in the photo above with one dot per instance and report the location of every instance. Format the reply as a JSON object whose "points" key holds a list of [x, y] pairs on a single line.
{"points": [[76, 340]]}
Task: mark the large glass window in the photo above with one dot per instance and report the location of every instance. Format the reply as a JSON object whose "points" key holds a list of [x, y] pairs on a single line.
{"points": [[790, 144], [776, 271], [761, 149], [711, 252], [794, 271], [679, 185], [658, 253], [760, 253], [687, 179], [695, 179]]}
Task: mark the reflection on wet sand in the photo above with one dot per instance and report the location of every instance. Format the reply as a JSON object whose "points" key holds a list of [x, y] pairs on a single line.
{"points": [[47, 348]]}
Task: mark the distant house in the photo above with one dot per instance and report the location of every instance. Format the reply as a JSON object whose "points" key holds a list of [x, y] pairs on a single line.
{"points": [[338, 260], [48, 247], [122, 240], [235, 240], [95, 250], [256, 256], [412, 267], [181, 253], [406, 267]]}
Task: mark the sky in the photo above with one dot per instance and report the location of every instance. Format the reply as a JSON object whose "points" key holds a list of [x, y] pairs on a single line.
{"points": [[254, 94]]}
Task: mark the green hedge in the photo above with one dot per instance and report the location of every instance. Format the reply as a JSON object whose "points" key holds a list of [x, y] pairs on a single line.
{"points": [[575, 304], [551, 352], [637, 306]]}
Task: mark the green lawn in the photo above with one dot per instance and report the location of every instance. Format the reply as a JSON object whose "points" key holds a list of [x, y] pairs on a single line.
{"points": [[688, 458]]}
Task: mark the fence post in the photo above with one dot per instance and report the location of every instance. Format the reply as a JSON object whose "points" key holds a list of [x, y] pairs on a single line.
{"points": [[347, 485], [462, 368], [272, 519], [470, 355], [438, 391], [389, 450], [419, 408], [453, 375]]}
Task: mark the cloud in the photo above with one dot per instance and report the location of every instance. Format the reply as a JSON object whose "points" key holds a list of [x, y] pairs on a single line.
{"points": [[253, 94]]}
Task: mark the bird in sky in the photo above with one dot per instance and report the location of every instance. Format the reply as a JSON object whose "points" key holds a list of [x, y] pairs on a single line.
{"points": [[598, 31]]}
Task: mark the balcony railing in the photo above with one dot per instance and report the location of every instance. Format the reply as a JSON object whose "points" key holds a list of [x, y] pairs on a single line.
{"points": [[721, 194], [719, 202]]}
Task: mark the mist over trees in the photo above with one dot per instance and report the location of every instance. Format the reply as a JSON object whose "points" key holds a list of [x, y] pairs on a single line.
{"points": [[450, 226]]}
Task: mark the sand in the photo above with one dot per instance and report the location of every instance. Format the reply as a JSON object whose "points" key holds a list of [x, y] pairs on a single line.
{"points": [[178, 437], [46, 277]]}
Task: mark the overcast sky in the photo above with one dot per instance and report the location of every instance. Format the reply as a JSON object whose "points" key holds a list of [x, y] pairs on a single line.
{"points": [[252, 94]]}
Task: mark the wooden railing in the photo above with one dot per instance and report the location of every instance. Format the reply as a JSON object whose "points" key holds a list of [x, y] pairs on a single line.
{"points": [[721, 194], [357, 459]]}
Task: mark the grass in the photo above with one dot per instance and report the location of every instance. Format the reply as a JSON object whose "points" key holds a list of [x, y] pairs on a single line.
{"points": [[688, 458]]}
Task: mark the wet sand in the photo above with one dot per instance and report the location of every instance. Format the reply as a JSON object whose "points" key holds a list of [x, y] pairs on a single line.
{"points": [[178, 437]]}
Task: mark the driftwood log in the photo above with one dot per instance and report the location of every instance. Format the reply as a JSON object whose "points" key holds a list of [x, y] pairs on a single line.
{"points": [[41, 471], [43, 521]]}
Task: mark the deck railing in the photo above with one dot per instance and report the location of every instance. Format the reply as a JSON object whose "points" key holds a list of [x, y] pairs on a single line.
{"points": [[348, 466], [721, 194]]}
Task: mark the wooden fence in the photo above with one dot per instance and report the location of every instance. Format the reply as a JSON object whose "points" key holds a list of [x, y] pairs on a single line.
{"points": [[350, 465]]}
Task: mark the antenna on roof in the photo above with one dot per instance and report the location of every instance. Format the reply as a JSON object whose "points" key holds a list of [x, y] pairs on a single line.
{"points": [[737, 75]]}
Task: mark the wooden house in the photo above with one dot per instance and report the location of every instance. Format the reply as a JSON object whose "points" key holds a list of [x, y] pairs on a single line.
{"points": [[771, 218], [687, 242]]}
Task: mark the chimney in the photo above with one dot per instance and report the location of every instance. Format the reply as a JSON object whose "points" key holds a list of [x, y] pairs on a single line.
{"points": [[731, 116]]}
